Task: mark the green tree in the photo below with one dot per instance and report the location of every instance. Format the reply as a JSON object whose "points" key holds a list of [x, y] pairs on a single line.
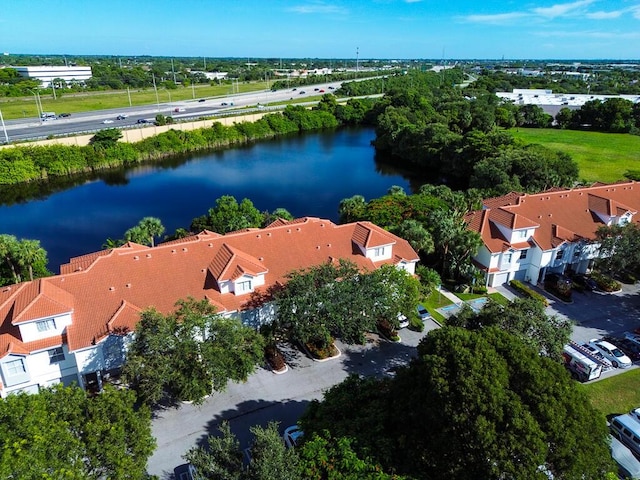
{"points": [[270, 459], [106, 138], [62, 433], [475, 404], [9, 253], [222, 459], [352, 209], [525, 318], [619, 248], [145, 231], [228, 215], [418, 236], [189, 354]]}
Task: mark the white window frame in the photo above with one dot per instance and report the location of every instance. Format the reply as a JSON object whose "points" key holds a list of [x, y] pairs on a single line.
{"points": [[244, 286], [378, 251], [522, 234], [46, 325], [56, 355], [11, 367]]}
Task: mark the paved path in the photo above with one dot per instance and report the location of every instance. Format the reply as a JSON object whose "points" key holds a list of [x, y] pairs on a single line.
{"points": [[267, 396]]}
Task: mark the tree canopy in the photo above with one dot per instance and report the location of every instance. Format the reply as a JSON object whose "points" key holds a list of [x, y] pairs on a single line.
{"points": [[62, 433], [190, 353], [474, 404], [21, 260]]}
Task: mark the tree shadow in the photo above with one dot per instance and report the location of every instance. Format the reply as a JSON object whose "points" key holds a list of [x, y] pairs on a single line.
{"points": [[377, 357]]}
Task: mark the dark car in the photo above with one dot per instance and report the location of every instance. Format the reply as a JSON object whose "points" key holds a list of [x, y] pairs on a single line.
{"points": [[302, 92], [184, 472], [121, 117], [629, 348], [142, 120], [64, 115], [202, 100], [558, 284], [584, 282]]}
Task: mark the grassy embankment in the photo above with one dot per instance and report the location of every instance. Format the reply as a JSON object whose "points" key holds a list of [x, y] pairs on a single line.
{"points": [[603, 157], [20, 107], [618, 394]]}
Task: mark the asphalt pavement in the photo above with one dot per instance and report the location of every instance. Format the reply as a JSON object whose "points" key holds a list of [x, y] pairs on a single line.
{"points": [[267, 396]]}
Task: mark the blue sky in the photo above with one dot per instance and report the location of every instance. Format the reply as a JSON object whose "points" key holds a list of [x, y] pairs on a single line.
{"points": [[477, 29]]}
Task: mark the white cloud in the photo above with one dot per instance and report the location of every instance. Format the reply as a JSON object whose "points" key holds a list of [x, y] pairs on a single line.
{"points": [[604, 15], [561, 9], [589, 34], [317, 7], [497, 18]]}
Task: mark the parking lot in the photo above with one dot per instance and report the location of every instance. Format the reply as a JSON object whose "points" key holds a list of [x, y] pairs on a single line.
{"points": [[267, 396]]}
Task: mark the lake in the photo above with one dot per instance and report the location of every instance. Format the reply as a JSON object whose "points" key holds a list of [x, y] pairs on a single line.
{"points": [[306, 174]]}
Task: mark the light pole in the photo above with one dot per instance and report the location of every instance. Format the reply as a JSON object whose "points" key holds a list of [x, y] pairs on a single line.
{"points": [[6, 137], [36, 96], [156, 90]]}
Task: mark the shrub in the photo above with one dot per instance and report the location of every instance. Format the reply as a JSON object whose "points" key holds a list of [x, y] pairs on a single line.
{"points": [[527, 292], [605, 283]]}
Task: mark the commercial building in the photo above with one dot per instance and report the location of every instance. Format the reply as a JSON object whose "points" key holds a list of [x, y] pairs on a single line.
{"points": [[47, 74], [74, 327]]}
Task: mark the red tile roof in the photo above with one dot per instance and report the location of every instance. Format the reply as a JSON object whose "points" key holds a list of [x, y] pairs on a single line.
{"points": [[107, 290], [560, 215]]}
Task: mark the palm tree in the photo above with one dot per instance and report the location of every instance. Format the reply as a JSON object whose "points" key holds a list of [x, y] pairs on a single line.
{"points": [[152, 227], [31, 253], [9, 253]]}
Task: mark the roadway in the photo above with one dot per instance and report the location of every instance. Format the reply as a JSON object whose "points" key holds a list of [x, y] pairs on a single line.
{"points": [[89, 122]]}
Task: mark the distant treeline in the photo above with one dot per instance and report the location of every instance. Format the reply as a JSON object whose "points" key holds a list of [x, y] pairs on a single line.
{"points": [[37, 163]]}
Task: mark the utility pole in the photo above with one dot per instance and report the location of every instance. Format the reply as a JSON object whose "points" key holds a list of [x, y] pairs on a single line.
{"points": [[6, 137], [156, 90], [174, 72], [357, 58]]}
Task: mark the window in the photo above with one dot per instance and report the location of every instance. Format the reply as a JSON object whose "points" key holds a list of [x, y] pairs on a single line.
{"points": [[15, 367], [55, 355], [378, 252], [244, 286], [522, 234], [523, 254], [507, 258], [559, 254], [46, 325]]}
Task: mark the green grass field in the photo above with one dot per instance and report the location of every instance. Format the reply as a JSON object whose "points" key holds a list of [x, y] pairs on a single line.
{"points": [[21, 107], [618, 394], [603, 157]]}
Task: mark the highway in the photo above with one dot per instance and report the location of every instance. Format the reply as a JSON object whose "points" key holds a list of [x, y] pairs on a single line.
{"points": [[90, 122]]}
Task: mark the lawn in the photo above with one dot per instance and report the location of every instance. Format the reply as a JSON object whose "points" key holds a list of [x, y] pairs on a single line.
{"points": [[21, 107], [434, 301], [603, 157], [618, 394]]}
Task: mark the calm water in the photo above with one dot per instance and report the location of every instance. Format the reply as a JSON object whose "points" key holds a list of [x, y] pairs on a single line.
{"points": [[308, 175]]}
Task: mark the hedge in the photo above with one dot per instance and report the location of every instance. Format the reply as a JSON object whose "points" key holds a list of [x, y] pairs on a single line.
{"points": [[528, 292]]}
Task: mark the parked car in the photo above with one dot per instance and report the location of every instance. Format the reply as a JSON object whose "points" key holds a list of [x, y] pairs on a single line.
{"points": [[424, 314], [630, 348], [584, 282], [558, 283], [186, 471], [612, 353], [292, 436], [403, 321]]}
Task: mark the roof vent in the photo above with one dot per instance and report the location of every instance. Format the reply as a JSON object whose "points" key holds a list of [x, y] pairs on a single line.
{"points": [[258, 236], [261, 258], [136, 257], [173, 250], [111, 289], [268, 234], [288, 230], [298, 229], [210, 245], [322, 224], [203, 270], [128, 285], [148, 255], [317, 247], [328, 244], [184, 249]]}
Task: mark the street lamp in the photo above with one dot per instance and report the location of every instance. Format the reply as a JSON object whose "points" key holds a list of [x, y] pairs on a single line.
{"points": [[36, 96], [6, 137]]}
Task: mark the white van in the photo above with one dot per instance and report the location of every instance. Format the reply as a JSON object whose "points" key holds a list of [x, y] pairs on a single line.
{"points": [[626, 428], [581, 367]]}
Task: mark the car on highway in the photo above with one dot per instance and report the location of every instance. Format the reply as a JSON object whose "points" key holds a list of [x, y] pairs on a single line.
{"points": [[202, 100], [64, 115], [179, 109], [224, 104], [142, 120], [292, 436], [611, 352], [321, 91], [331, 88], [108, 120], [122, 116], [302, 92]]}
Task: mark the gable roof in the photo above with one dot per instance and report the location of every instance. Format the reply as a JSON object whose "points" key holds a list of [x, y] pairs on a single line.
{"points": [[108, 290], [559, 215]]}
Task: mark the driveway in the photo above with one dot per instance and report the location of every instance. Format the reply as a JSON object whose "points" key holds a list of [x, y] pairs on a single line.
{"points": [[269, 397]]}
